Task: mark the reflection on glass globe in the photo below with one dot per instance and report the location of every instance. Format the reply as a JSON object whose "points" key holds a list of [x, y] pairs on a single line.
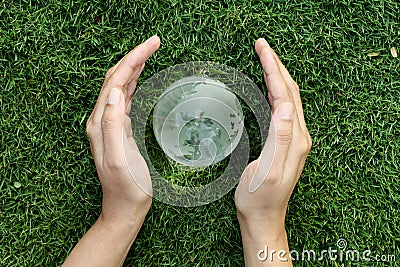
{"points": [[197, 121]]}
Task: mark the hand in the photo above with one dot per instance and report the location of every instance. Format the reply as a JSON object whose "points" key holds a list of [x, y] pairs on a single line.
{"points": [[126, 191], [272, 177], [267, 183]]}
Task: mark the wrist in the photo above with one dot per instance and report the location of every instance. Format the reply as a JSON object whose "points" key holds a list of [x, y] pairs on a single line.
{"points": [[262, 229], [264, 243], [121, 216], [115, 209], [121, 227], [271, 223]]}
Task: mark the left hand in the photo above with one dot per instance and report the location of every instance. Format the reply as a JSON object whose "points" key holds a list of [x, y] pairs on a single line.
{"points": [[267, 183], [126, 191]]}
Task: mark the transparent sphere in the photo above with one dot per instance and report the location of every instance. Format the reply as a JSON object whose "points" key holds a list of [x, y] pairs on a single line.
{"points": [[197, 121]]}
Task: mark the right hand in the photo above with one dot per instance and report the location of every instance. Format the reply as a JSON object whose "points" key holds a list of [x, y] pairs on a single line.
{"points": [[267, 183]]}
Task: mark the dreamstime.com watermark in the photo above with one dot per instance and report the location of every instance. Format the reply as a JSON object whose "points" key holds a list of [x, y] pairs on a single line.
{"points": [[338, 253]]}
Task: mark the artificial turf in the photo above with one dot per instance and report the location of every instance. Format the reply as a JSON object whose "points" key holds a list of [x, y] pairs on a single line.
{"points": [[53, 57]]}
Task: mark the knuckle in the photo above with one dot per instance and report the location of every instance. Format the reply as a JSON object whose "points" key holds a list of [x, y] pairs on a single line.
{"points": [[274, 175], [128, 127], [114, 164], [88, 131], [270, 69], [108, 124], [109, 72], [252, 168], [90, 128], [250, 171], [303, 145], [309, 139], [284, 136], [115, 82], [296, 86]]}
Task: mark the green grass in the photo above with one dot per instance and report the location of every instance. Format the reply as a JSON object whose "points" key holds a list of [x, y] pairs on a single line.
{"points": [[53, 57]]}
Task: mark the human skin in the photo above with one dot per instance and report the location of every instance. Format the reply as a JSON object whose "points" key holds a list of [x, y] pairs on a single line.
{"points": [[125, 203], [261, 212]]}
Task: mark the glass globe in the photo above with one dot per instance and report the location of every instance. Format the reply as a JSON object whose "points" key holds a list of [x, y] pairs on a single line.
{"points": [[197, 121]]}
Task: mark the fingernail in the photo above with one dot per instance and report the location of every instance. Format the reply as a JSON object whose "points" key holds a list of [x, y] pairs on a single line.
{"points": [[264, 42], [151, 39], [286, 111], [114, 97]]}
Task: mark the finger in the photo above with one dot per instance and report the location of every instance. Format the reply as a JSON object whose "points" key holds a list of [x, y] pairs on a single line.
{"points": [[111, 70], [300, 131], [128, 127], [108, 74], [96, 141], [112, 124], [273, 156], [292, 85], [128, 106], [132, 84], [276, 85], [129, 134], [297, 154], [129, 65], [295, 92], [131, 87], [132, 62], [303, 142]]}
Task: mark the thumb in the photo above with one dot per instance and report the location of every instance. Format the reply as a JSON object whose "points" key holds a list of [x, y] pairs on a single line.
{"points": [[112, 124], [273, 156]]}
